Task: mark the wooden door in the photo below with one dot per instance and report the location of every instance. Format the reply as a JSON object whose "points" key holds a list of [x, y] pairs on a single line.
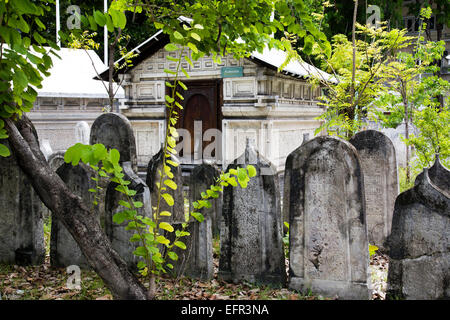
{"points": [[202, 104]]}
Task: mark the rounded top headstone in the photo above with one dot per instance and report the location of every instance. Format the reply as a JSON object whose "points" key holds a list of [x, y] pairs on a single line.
{"points": [[115, 131], [372, 140], [82, 131]]}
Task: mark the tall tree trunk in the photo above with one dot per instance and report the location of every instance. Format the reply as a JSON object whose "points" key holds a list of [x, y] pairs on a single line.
{"points": [[72, 212]]}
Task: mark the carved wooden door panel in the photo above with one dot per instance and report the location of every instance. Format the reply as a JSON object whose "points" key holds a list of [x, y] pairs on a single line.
{"points": [[200, 113]]}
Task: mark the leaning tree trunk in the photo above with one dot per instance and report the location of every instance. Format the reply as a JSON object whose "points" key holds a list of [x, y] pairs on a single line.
{"points": [[72, 212]]}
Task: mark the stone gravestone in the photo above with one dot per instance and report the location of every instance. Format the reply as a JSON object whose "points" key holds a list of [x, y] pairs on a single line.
{"points": [[201, 179], [82, 132], [328, 233], [21, 227], [377, 154], [119, 237], [46, 148], [251, 246], [286, 179], [64, 250], [56, 160], [114, 131], [438, 174], [419, 244], [197, 260], [153, 177]]}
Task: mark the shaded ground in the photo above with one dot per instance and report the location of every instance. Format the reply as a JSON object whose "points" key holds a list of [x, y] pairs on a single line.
{"points": [[47, 283]]}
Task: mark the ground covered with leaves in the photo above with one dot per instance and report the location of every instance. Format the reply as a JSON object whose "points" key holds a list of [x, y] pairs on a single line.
{"points": [[47, 283], [44, 282]]}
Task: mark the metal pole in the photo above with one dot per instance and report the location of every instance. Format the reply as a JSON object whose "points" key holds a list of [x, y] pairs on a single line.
{"points": [[58, 25], [105, 33]]}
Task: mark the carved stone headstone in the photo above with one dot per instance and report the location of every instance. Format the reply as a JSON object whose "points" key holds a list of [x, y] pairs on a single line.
{"points": [[46, 148], [419, 244], [119, 237], [197, 260], [251, 246], [287, 178], [377, 154], [153, 177], [56, 160], [201, 179], [115, 131], [328, 232], [21, 227], [438, 174], [64, 251], [82, 132]]}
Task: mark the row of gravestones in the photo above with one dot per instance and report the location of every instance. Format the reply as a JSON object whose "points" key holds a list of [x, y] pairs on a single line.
{"points": [[338, 197]]}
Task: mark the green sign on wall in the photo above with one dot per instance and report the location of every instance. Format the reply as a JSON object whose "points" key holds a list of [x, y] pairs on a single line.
{"points": [[231, 72]]}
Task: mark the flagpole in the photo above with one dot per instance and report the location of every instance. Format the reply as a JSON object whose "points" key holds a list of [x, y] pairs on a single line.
{"points": [[58, 25], [105, 33]]}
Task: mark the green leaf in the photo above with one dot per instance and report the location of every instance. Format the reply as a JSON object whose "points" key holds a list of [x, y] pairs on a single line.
{"points": [[178, 35], [168, 198], [180, 244], [138, 204], [109, 23], [170, 47], [172, 255], [165, 213], [372, 249], [135, 238], [4, 151], [196, 36], [166, 226], [114, 156], [119, 19], [198, 216], [162, 240], [169, 99], [99, 18], [251, 170], [193, 47], [242, 174], [140, 251], [125, 204], [119, 217], [172, 185], [182, 85]]}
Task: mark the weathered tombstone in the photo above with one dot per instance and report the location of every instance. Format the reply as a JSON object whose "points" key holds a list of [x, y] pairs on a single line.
{"points": [[251, 246], [377, 155], [197, 260], [46, 148], [287, 178], [328, 233], [56, 160], [119, 237], [438, 174], [201, 179], [21, 227], [153, 177], [82, 132], [419, 244], [64, 250], [115, 131]]}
